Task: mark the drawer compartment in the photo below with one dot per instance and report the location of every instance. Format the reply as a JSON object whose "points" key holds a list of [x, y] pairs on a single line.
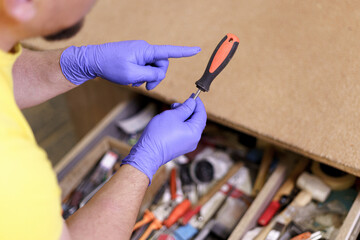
{"points": [[72, 173]]}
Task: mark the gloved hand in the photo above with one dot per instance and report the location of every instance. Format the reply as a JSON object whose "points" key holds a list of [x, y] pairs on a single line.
{"points": [[127, 62], [168, 135]]}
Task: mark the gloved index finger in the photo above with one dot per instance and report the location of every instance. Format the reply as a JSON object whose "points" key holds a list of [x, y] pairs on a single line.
{"points": [[169, 51]]}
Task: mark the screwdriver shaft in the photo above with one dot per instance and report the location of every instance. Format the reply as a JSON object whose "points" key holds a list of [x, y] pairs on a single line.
{"points": [[197, 94]]}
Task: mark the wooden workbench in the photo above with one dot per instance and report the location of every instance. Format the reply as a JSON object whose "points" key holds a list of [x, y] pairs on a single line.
{"points": [[294, 81]]}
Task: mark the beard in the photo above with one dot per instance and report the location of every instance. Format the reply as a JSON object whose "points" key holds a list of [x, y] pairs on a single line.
{"points": [[65, 33]]}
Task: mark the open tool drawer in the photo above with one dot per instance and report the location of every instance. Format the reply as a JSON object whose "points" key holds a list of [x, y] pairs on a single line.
{"points": [[348, 231], [74, 177], [85, 155]]}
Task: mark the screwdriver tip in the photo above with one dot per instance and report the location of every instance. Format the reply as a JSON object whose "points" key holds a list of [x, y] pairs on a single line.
{"points": [[197, 94]]}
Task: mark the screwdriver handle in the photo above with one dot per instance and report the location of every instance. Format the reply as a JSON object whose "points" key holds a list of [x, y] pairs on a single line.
{"points": [[269, 213], [223, 53], [177, 213], [173, 183]]}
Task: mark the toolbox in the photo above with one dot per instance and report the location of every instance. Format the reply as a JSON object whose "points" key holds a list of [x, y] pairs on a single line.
{"points": [[72, 169]]}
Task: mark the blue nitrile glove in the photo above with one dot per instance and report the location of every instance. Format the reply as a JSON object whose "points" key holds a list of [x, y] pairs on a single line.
{"points": [[127, 62], [168, 135]]}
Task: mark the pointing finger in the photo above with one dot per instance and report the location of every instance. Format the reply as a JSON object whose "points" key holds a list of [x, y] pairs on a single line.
{"points": [[169, 51]]}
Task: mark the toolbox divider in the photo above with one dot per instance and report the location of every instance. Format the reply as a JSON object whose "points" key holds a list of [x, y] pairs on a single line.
{"points": [[248, 221]]}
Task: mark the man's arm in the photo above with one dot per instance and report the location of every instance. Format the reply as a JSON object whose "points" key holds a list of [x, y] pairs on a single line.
{"points": [[112, 212], [41, 75], [38, 77]]}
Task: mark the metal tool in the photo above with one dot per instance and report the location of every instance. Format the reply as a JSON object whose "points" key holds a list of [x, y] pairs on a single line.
{"points": [[92, 193], [275, 233], [221, 56]]}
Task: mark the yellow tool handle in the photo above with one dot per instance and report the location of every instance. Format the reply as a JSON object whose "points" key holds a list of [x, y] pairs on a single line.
{"points": [[264, 168], [289, 184]]}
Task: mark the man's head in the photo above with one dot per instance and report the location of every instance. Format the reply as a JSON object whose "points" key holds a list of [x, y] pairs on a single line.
{"points": [[53, 18]]}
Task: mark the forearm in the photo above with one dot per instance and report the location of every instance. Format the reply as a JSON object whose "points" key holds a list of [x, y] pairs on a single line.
{"points": [[38, 77], [111, 213]]}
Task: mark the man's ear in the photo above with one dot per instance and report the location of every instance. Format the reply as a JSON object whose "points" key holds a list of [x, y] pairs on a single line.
{"points": [[20, 10]]}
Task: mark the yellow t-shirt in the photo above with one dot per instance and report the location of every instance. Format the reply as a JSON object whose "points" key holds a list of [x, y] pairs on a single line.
{"points": [[30, 205]]}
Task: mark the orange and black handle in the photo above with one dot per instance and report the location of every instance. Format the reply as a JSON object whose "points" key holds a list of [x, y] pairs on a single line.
{"points": [[222, 55]]}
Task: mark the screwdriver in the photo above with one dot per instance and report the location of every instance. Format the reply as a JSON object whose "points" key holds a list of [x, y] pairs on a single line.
{"points": [[177, 213], [221, 56]]}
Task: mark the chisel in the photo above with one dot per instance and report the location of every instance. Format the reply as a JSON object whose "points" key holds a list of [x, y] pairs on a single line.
{"points": [[222, 55]]}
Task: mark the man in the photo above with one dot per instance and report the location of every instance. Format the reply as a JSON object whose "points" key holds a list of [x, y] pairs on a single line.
{"points": [[30, 197]]}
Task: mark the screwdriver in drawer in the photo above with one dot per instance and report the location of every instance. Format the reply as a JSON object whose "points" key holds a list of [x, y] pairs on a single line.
{"points": [[221, 56]]}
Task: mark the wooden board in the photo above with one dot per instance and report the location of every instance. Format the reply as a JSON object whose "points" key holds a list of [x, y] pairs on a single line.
{"points": [[262, 200], [351, 226], [54, 132], [89, 138], [79, 171], [91, 102], [293, 81]]}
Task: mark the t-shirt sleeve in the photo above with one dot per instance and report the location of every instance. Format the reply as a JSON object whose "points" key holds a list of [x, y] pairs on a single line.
{"points": [[30, 206]]}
